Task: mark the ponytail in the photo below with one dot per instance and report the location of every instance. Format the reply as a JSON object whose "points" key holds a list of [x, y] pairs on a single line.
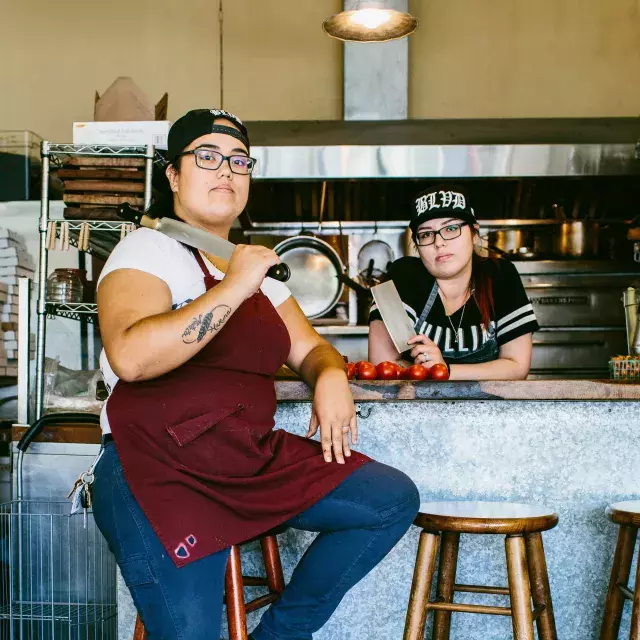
{"points": [[482, 285]]}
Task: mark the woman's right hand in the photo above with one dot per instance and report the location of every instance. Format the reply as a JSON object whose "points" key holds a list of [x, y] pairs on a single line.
{"points": [[248, 268]]}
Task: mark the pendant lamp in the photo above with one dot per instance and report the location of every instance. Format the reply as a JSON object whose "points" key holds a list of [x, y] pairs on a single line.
{"points": [[370, 22]]}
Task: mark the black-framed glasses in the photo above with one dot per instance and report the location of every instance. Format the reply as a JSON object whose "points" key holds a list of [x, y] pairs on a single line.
{"points": [[212, 160], [448, 232]]}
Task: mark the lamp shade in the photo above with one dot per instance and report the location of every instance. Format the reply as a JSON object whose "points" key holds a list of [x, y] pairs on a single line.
{"points": [[370, 24]]}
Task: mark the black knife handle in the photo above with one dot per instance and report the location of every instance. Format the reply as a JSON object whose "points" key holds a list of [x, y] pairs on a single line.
{"points": [[279, 272], [128, 213]]}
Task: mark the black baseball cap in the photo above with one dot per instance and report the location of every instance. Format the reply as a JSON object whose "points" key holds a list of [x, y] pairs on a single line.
{"points": [[200, 122], [440, 202]]}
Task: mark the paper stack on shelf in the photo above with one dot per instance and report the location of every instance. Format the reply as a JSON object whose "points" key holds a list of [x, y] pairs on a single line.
{"points": [[15, 262]]}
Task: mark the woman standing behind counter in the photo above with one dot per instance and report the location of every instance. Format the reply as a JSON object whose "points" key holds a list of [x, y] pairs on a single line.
{"points": [[470, 313]]}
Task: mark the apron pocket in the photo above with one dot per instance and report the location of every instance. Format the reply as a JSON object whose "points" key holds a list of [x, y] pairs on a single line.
{"points": [[185, 432]]}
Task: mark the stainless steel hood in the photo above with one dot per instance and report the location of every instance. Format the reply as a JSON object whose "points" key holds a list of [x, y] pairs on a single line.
{"points": [[446, 148]]}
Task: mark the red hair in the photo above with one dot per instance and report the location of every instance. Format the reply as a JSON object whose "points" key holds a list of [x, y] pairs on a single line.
{"points": [[482, 286]]}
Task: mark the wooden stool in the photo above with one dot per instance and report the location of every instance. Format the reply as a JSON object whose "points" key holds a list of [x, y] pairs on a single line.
{"points": [[526, 566], [627, 515], [237, 608]]}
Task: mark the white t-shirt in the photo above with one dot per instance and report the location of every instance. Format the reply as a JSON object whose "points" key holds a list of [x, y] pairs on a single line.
{"points": [[161, 256]]}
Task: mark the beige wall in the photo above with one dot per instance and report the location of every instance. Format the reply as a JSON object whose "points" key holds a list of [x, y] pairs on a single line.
{"points": [[469, 58], [525, 58], [55, 55], [278, 63]]}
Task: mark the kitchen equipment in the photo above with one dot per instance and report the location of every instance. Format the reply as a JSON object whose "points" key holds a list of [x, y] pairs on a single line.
{"points": [[315, 268], [377, 251], [65, 285], [193, 237], [510, 241], [577, 238], [20, 166], [393, 314], [577, 304], [630, 303]]}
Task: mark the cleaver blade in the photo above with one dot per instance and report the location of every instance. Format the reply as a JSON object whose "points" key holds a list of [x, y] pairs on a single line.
{"points": [[393, 314], [194, 237]]}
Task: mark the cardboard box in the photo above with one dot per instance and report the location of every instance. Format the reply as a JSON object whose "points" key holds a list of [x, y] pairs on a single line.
{"points": [[122, 133], [125, 100]]}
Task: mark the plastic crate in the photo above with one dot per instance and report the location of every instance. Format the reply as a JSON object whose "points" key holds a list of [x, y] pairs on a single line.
{"points": [[625, 368], [20, 166]]}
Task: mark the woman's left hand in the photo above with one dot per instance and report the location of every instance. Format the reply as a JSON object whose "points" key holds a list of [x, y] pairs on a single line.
{"points": [[425, 351], [335, 413]]}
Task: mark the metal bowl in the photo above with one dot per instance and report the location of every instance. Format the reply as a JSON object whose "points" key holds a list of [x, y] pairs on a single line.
{"points": [[315, 267]]}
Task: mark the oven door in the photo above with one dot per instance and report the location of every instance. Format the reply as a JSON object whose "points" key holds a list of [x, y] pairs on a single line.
{"points": [[575, 353], [571, 306]]}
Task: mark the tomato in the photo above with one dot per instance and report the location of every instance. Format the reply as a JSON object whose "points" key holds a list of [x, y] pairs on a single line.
{"points": [[403, 373], [366, 371], [439, 371], [387, 370], [360, 363], [417, 372], [351, 370]]}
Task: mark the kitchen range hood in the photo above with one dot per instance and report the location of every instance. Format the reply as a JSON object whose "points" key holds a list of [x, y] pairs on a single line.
{"points": [[411, 148]]}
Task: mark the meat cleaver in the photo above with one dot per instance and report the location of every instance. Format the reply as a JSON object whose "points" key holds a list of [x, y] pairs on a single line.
{"points": [[194, 237], [393, 314]]}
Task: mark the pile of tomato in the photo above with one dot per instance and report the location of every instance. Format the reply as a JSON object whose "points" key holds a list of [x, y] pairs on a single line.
{"points": [[364, 370]]}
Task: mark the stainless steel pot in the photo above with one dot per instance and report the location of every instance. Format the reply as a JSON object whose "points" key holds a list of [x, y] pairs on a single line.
{"points": [[315, 270], [510, 241], [577, 238]]}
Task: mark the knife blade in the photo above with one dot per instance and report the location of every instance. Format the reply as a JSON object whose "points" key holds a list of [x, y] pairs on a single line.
{"points": [[194, 237], [393, 314]]}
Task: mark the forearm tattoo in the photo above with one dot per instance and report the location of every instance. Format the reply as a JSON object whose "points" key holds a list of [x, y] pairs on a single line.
{"points": [[206, 323]]}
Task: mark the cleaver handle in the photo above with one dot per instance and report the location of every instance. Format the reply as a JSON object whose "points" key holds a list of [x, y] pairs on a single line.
{"points": [[279, 272]]}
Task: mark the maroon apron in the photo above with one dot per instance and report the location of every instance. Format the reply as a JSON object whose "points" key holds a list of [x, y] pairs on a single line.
{"points": [[197, 444]]}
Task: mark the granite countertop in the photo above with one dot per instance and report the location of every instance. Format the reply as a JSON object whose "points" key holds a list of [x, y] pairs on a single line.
{"points": [[381, 391]]}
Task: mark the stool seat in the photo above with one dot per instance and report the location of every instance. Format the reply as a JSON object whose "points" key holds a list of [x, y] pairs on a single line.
{"points": [[485, 517], [442, 524], [627, 512]]}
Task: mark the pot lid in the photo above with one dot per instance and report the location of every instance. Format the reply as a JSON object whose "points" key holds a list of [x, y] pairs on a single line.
{"points": [[314, 268]]}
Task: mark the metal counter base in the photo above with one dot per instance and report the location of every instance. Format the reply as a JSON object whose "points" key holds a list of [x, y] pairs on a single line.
{"points": [[575, 457]]}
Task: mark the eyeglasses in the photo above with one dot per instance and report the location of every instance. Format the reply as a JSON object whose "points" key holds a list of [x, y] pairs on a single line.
{"points": [[450, 232], [212, 160]]}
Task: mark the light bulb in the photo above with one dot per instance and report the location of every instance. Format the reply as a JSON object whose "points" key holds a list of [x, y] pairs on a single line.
{"points": [[370, 18]]}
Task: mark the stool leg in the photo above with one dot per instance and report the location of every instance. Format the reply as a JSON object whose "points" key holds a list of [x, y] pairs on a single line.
{"points": [[619, 575], [540, 586], [139, 633], [421, 586], [519, 589], [449, 544], [272, 563], [236, 614], [635, 613]]}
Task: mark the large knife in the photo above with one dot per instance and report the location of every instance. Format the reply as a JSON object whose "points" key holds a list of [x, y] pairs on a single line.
{"points": [[393, 314], [193, 237]]}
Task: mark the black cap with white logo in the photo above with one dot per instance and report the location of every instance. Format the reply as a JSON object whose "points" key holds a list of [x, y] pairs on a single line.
{"points": [[440, 203], [200, 122]]}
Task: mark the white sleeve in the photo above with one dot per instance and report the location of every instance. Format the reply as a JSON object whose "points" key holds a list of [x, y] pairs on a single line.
{"points": [[144, 250], [276, 291]]}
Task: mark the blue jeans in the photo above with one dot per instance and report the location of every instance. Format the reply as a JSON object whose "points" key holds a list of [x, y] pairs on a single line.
{"points": [[359, 522]]}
